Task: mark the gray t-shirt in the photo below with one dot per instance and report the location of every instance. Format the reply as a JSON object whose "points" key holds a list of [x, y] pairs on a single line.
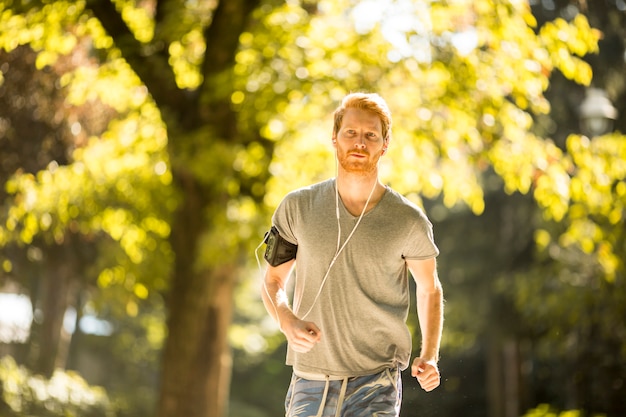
{"points": [[364, 303]]}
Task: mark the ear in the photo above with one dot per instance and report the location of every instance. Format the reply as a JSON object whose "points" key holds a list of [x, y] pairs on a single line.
{"points": [[384, 147]]}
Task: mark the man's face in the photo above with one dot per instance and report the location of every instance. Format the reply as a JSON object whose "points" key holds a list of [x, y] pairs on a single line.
{"points": [[359, 141]]}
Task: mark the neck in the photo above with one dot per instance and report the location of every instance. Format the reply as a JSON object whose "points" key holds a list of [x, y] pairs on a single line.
{"points": [[356, 186], [355, 190]]}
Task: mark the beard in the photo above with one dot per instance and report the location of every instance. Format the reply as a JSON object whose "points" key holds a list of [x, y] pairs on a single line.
{"points": [[353, 165]]}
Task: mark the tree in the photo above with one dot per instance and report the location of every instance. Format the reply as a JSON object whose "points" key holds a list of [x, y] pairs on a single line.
{"points": [[578, 267], [226, 81], [195, 364], [38, 129]]}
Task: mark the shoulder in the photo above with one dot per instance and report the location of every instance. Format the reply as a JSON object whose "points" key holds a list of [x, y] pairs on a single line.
{"points": [[298, 205], [404, 214], [400, 203], [310, 191]]}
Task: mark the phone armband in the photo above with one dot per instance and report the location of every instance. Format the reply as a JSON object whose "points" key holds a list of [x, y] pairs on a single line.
{"points": [[278, 250]]}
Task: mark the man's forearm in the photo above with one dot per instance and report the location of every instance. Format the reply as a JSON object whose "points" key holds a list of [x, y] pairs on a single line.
{"points": [[276, 301], [430, 315]]}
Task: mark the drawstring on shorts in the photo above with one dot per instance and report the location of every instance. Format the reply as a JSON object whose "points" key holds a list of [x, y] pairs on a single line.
{"points": [[342, 396], [309, 402]]}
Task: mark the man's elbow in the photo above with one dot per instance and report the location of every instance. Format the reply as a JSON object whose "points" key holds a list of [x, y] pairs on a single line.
{"points": [[430, 287]]}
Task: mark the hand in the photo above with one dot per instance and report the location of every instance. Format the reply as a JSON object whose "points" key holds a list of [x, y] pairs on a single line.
{"points": [[427, 374], [301, 335]]}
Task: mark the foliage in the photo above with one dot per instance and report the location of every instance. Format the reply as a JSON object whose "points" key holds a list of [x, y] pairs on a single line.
{"points": [[462, 92], [544, 410], [114, 192], [581, 258], [66, 394], [597, 200], [113, 184]]}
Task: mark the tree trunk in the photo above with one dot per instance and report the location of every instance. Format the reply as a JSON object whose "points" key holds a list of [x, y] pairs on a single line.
{"points": [[196, 363], [503, 377], [196, 366], [495, 391], [55, 285]]}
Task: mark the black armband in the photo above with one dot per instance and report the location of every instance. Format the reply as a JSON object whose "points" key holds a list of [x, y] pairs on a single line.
{"points": [[278, 250]]}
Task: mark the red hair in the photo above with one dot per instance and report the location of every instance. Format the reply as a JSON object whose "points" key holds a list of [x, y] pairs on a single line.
{"points": [[365, 101]]}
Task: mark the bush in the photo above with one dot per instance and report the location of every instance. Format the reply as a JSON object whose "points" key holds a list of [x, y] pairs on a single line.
{"points": [[545, 410], [66, 394]]}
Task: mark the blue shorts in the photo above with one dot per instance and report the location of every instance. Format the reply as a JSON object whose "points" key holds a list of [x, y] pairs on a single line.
{"points": [[365, 396]]}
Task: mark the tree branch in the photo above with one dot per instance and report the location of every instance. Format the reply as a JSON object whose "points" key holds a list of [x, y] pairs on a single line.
{"points": [[230, 19], [149, 62], [222, 35]]}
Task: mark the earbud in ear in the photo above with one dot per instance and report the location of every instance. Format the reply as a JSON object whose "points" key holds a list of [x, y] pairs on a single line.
{"points": [[385, 144]]}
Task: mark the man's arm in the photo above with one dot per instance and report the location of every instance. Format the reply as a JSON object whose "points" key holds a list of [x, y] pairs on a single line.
{"points": [[301, 335], [430, 314]]}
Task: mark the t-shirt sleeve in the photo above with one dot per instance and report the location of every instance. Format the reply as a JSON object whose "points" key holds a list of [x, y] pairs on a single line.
{"points": [[420, 239], [284, 218]]}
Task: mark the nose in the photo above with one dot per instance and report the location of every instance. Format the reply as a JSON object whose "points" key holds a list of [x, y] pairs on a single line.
{"points": [[360, 142]]}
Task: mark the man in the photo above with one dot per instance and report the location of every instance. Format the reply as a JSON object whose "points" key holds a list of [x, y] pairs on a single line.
{"points": [[351, 240]]}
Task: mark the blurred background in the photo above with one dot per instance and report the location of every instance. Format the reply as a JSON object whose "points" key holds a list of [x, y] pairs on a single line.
{"points": [[144, 145]]}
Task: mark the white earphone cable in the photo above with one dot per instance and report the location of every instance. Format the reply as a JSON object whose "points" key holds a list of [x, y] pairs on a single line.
{"points": [[267, 293], [339, 249]]}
